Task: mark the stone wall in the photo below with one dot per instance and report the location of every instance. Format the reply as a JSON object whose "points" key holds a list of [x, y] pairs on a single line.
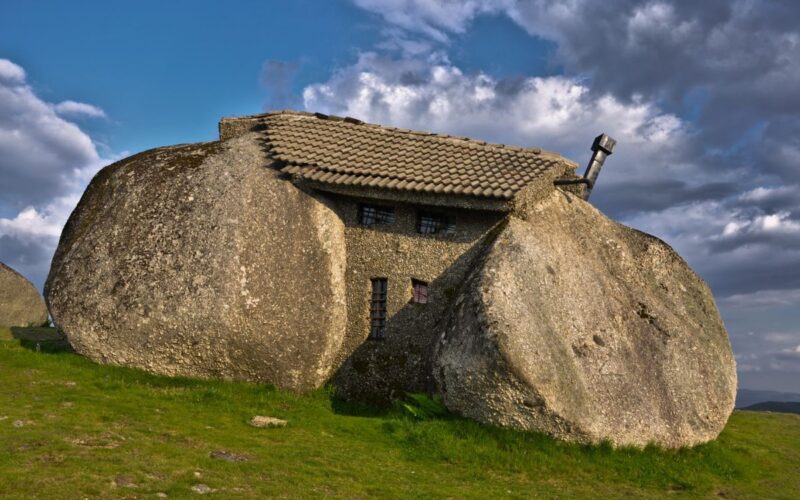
{"points": [[240, 125], [377, 370]]}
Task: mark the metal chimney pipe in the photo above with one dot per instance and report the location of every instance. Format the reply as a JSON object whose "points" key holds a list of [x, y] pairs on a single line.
{"points": [[602, 147]]}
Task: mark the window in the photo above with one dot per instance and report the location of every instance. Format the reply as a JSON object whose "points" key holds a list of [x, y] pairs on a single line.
{"points": [[419, 294], [429, 223], [370, 215], [377, 310]]}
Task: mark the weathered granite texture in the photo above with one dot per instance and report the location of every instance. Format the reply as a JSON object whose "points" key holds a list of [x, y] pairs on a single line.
{"points": [[20, 302], [198, 260], [588, 330]]}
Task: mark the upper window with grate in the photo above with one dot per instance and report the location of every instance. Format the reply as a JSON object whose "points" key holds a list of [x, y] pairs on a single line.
{"points": [[370, 215], [429, 223]]}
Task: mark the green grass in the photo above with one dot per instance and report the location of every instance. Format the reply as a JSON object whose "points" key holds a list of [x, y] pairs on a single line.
{"points": [[101, 431]]}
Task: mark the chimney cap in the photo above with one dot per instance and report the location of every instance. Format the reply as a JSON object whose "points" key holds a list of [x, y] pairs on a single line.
{"points": [[604, 142]]}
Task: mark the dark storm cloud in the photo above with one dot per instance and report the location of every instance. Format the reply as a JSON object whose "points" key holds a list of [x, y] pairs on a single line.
{"points": [[639, 196], [723, 191], [734, 66], [764, 272], [28, 257], [778, 151]]}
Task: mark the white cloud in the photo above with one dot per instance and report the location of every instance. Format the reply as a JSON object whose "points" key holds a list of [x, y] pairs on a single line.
{"points": [[73, 108], [434, 18], [45, 163], [10, 72], [763, 299], [700, 95], [30, 223], [557, 113], [40, 152], [656, 169], [765, 193]]}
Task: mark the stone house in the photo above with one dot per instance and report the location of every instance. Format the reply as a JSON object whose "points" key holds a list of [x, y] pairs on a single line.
{"points": [[302, 249], [414, 205]]}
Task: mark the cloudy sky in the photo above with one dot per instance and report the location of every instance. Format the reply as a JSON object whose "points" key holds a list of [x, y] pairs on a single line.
{"points": [[701, 96]]}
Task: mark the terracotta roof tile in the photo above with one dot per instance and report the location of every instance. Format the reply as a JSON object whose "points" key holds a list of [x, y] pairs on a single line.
{"points": [[343, 151]]}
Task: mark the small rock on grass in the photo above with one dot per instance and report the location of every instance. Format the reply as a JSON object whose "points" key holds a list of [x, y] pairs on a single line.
{"points": [[262, 421], [18, 423], [124, 481], [202, 489], [228, 455]]}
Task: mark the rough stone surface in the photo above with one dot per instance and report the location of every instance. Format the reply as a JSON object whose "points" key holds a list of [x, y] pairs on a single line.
{"points": [[262, 421], [20, 302], [202, 489], [585, 329], [228, 456], [198, 260]]}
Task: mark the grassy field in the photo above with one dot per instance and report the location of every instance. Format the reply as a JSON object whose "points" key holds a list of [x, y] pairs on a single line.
{"points": [[70, 428]]}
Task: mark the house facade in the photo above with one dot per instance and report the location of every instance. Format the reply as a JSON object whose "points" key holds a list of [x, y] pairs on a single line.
{"points": [[416, 207]]}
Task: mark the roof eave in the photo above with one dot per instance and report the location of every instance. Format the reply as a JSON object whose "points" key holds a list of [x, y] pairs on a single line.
{"points": [[418, 198]]}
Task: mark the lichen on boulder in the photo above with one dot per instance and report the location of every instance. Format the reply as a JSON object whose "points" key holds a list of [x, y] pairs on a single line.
{"points": [[579, 327], [20, 302], [198, 260]]}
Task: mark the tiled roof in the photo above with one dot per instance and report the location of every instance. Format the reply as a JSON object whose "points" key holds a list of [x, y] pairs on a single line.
{"points": [[344, 151]]}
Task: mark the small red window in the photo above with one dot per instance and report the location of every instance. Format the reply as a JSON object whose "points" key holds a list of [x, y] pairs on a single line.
{"points": [[419, 292]]}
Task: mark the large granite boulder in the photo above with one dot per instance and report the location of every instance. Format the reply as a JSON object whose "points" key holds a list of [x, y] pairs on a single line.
{"points": [[20, 302], [585, 329], [197, 260]]}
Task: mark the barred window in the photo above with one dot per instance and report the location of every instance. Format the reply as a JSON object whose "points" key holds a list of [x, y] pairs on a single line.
{"points": [[377, 310], [419, 293], [370, 215], [429, 223]]}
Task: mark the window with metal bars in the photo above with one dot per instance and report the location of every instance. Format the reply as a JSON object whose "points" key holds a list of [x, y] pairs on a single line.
{"points": [[430, 223], [370, 215], [377, 310], [419, 292]]}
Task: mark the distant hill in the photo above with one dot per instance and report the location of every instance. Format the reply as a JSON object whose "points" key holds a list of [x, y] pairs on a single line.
{"points": [[750, 397], [779, 406]]}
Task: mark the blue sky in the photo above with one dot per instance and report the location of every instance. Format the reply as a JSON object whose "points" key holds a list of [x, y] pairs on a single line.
{"points": [[701, 97], [190, 62]]}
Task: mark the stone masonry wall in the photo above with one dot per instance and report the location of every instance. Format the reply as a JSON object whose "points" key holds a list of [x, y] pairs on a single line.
{"points": [[377, 370]]}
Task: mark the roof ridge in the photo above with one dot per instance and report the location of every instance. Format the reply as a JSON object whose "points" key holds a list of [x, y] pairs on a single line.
{"points": [[342, 150], [461, 140]]}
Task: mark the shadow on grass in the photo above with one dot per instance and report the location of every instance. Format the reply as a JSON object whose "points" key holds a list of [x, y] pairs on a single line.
{"points": [[42, 339], [356, 409]]}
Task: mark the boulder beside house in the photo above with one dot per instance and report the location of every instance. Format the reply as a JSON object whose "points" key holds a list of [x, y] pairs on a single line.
{"points": [[301, 249], [20, 302]]}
